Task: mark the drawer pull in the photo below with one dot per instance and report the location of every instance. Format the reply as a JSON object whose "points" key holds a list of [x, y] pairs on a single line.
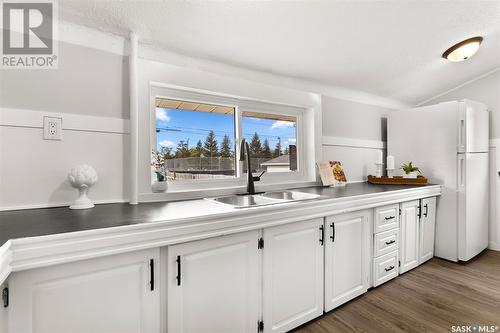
{"points": [[389, 269], [390, 217], [390, 242]]}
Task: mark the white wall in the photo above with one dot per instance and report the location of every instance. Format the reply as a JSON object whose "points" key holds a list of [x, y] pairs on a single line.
{"points": [[88, 81], [89, 91], [486, 89], [494, 213], [353, 132]]}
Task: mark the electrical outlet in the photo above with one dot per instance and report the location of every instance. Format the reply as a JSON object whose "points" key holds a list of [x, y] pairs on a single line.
{"points": [[52, 128]]}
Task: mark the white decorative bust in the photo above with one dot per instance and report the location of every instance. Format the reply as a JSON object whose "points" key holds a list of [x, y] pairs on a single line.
{"points": [[82, 178]]}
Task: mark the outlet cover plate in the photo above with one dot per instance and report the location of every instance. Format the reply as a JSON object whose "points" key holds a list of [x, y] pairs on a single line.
{"points": [[52, 128]]}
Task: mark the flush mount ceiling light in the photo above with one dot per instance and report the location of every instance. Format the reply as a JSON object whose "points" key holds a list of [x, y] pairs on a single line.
{"points": [[463, 50]]}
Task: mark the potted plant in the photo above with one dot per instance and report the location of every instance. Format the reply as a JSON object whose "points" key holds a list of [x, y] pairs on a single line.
{"points": [[159, 183], [410, 170]]}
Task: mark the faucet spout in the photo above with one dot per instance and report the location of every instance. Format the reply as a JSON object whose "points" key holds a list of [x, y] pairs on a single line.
{"points": [[245, 156]]}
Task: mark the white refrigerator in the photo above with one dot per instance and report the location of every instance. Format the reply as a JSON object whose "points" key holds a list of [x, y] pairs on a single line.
{"points": [[449, 142]]}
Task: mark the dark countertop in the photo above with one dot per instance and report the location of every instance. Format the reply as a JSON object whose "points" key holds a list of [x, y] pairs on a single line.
{"points": [[38, 222]]}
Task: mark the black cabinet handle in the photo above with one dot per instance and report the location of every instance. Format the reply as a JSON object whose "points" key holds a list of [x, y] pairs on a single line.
{"points": [[419, 214], [152, 274], [390, 242], [389, 269], [332, 237], [426, 210], [321, 234], [390, 217], [178, 270], [5, 297]]}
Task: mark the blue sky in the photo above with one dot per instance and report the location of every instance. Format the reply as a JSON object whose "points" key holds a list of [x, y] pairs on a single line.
{"points": [[193, 126]]}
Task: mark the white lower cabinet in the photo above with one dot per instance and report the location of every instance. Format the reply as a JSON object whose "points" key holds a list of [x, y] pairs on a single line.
{"points": [[427, 229], [213, 285], [347, 257], [116, 293], [4, 318], [270, 280], [292, 274], [409, 244], [418, 225]]}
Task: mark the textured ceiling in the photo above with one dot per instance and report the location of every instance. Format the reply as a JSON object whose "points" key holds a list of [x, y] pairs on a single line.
{"points": [[388, 48]]}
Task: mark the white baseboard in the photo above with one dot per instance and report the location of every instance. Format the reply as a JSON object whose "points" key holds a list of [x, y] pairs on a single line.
{"points": [[350, 142], [494, 246]]}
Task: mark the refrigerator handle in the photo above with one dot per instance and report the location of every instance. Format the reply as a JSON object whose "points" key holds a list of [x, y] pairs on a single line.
{"points": [[461, 171], [461, 135]]}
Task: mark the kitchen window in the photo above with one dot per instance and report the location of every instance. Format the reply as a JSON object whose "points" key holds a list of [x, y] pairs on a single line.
{"points": [[273, 141], [196, 140]]}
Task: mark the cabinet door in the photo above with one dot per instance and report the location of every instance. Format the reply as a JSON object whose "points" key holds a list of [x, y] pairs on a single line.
{"points": [[3, 313], [409, 235], [108, 294], [293, 274], [213, 285], [347, 257], [427, 229]]}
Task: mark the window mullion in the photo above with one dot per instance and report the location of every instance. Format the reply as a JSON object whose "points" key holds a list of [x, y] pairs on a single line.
{"points": [[238, 137]]}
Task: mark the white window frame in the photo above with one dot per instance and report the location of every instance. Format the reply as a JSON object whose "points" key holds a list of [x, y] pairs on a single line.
{"points": [[238, 183]]}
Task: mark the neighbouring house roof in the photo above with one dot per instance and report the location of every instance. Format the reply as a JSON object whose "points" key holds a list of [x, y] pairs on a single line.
{"points": [[280, 160]]}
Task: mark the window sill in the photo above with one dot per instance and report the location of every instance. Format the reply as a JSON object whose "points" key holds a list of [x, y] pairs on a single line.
{"points": [[191, 194]]}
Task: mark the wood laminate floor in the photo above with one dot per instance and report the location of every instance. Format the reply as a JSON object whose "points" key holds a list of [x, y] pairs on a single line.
{"points": [[430, 298]]}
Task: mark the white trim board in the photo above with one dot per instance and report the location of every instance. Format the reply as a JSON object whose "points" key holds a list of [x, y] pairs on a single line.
{"points": [[75, 122], [350, 142]]}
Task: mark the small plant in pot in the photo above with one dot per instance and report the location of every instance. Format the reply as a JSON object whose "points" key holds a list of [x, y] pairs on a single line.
{"points": [[159, 183], [410, 171]]}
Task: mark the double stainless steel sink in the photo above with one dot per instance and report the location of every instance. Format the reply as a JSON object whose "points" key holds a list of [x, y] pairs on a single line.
{"points": [[263, 199]]}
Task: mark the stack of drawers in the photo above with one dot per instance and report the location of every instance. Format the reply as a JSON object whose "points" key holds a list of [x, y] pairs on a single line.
{"points": [[385, 244]]}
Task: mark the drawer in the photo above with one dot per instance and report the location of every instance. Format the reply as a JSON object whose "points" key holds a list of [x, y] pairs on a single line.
{"points": [[385, 268], [385, 242], [386, 218]]}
